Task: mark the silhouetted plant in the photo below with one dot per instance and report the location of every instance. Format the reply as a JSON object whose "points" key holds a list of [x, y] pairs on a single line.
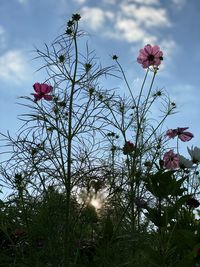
{"points": [[92, 178]]}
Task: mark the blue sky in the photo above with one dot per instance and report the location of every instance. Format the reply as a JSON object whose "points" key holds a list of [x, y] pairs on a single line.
{"points": [[119, 27]]}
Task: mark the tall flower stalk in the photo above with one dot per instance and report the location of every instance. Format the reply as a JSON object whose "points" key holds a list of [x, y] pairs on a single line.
{"points": [[69, 147], [150, 57]]}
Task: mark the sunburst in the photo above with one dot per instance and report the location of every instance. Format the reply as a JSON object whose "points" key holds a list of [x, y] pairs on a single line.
{"points": [[96, 202]]}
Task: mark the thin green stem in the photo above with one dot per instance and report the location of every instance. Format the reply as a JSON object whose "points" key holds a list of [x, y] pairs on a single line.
{"points": [[141, 90], [148, 95], [127, 84], [177, 146], [69, 160]]}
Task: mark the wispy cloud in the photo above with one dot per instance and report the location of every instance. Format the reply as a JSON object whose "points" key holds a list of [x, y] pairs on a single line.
{"points": [[178, 3], [80, 1], [2, 36], [168, 46], [95, 17], [130, 31], [147, 16], [146, 2], [133, 21], [143, 2], [13, 67], [22, 1]]}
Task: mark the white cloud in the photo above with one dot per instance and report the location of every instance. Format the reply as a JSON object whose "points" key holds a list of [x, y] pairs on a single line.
{"points": [[178, 3], [146, 2], [124, 27], [168, 46], [95, 17], [2, 36], [139, 22], [142, 2], [13, 66], [132, 21], [146, 15], [110, 2], [130, 31], [80, 1], [2, 31]]}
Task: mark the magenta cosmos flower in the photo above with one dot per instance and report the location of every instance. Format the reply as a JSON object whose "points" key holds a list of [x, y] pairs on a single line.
{"points": [[150, 56], [181, 133], [42, 91], [171, 160]]}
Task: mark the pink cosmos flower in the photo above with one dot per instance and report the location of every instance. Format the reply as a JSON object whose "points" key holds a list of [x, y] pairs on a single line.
{"points": [[180, 132], [150, 56], [171, 160], [42, 91]]}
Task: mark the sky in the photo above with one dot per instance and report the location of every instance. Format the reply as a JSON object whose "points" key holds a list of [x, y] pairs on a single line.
{"points": [[118, 27]]}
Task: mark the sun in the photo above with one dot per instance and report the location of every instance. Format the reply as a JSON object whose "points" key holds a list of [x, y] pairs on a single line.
{"points": [[96, 202]]}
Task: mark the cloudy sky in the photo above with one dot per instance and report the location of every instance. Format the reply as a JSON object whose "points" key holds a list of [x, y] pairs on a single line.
{"points": [[119, 27]]}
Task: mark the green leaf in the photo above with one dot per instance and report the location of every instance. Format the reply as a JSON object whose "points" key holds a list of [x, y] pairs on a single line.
{"points": [[163, 184], [154, 215], [185, 239]]}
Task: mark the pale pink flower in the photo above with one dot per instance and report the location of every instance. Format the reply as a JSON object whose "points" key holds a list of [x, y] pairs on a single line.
{"points": [[181, 133], [171, 160], [185, 163], [42, 91], [171, 133], [150, 56], [195, 154]]}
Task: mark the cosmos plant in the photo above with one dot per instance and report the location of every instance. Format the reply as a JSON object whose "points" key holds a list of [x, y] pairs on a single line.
{"points": [[114, 180]]}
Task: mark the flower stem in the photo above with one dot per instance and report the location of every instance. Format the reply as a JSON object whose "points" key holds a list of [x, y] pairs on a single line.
{"points": [[69, 160]]}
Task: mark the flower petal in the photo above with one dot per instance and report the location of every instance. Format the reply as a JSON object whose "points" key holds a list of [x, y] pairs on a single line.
{"points": [[140, 60], [145, 64], [155, 50], [157, 62], [148, 49], [37, 97], [180, 130], [48, 97], [143, 53], [37, 87], [171, 133], [186, 136], [45, 88]]}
